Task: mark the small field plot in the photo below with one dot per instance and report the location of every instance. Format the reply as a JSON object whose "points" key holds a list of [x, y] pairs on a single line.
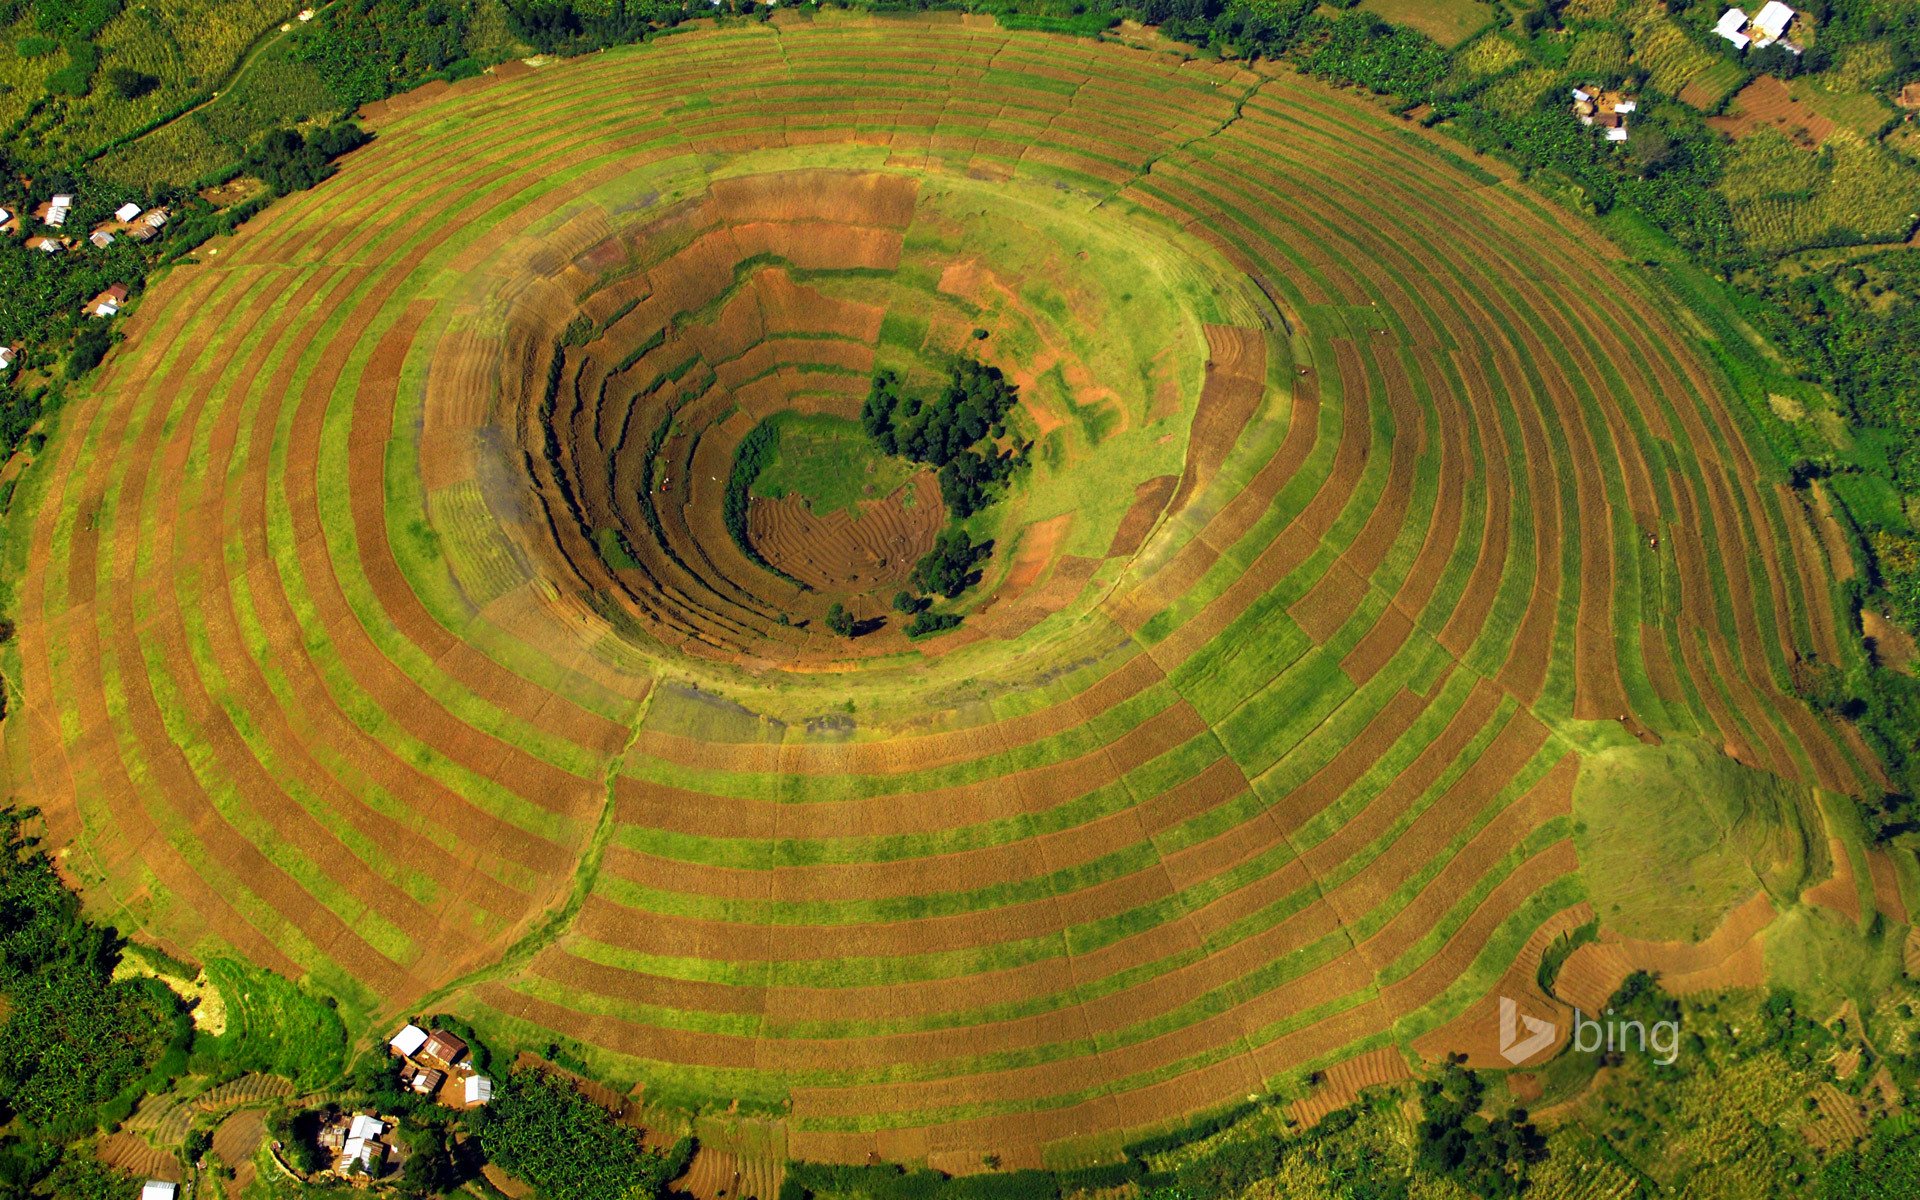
{"points": [[1448, 22]]}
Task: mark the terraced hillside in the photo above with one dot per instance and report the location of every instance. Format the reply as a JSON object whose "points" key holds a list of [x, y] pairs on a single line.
{"points": [[379, 623]]}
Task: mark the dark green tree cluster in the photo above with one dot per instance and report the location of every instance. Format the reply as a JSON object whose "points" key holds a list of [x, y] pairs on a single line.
{"points": [[952, 566], [290, 161], [839, 620], [1487, 1157], [1885, 1167], [75, 1041], [74, 24], [577, 26], [954, 430], [538, 1127], [367, 50]]}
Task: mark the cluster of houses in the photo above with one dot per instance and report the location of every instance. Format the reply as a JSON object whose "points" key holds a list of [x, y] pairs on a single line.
{"points": [[1608, 110], [435, 1064], [356, 1142], [1760, 30], [128, 221]]}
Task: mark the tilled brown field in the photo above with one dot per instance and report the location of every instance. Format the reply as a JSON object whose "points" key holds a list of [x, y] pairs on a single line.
{"points": [[380, 592]]}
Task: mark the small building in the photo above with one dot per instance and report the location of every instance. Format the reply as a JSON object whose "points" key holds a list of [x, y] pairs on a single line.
{"points": [[159, 1189], [100, 238], [6, 220], [362, 1151], [1770, 23], [156, 218], [7, 355], [424, 1081], [126, 212], [1617, 134], [107, 303], [362, 1156], [408, 1041], [46, 245], [1732, 26], [479, 1090], [444, 1048]]}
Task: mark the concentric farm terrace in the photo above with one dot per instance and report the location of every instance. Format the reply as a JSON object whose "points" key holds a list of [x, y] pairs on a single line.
{"points": [[380, 622]]}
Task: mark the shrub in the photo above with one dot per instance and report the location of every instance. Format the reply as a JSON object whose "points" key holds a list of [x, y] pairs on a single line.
{"points": [[948, 568], [840, 620]]}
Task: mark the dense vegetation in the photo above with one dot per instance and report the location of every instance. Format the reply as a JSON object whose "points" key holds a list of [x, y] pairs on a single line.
{"points": [[952, 566], [539, 1128], [77, 1046], [288, 160], [954, 429]]}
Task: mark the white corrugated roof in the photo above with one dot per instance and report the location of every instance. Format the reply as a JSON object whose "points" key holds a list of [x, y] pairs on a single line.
{"points": [[126, 212], [1626, 106], [479, 1089], [365, 1126], [409, 1039], [1616, 134], [1773, 19], [1731, 23], [159, 1189]]}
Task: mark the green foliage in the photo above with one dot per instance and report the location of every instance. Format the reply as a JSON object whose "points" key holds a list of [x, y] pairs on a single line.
{"points": [[926, 624], [908, 603], [1361, 49], [273, 1026], [76, 78], [970, 409], [81, 1176], [1452, 1140], [1885, 1167], [35, 46], [577, 26], [539, 1128], [367, 50], [839, 620], [74, 1037], [949, 568], [290, 161]]}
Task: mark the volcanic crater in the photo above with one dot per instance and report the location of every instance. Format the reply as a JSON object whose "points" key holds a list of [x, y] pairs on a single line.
{"points": [[647, 335]]}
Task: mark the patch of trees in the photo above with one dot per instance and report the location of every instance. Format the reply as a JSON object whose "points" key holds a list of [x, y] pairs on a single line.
{"points": [[367, 50], [290, 161], [538, 1127], [953, 429], [577, 26], [1361, 49], [956, 429], [77, 1046], [1454, 1141], [952, 566], [839, 620]]}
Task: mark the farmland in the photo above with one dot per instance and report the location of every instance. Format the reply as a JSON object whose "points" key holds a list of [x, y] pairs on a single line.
{"points": [[378, 623]]}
